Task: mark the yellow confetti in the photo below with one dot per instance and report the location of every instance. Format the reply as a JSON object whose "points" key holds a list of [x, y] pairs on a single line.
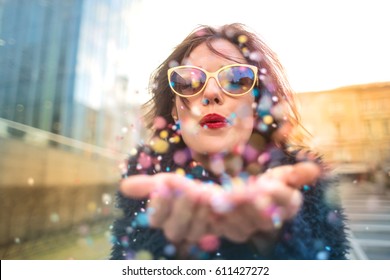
{"points": [[30, 181], [91, 206], [174, 139], [159, 146], [195, 83], [143, 255], [242, 39], [180, 171], [268, 119], [164, 134]]}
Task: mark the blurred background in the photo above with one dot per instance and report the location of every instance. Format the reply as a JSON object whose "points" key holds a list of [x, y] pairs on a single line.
{"points": [[73, 74]]}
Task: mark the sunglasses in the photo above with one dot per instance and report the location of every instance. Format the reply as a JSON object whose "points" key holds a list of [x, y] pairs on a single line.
{"points": [[234, 79]]}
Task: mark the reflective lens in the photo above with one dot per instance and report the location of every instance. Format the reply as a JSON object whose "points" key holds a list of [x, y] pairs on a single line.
{"points": [[187, 81], [236, 79]]}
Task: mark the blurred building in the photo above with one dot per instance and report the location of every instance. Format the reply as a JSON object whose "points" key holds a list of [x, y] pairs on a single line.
{"points": [[64, 66], [67, 116], [350, 126]]}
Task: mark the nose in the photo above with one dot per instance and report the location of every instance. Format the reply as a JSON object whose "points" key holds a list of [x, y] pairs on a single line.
{"points": [[212, 93]]}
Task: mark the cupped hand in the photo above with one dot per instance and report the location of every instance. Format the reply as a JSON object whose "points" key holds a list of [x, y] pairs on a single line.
{"points": [[186, 209], [264, 202], [177, 205]]}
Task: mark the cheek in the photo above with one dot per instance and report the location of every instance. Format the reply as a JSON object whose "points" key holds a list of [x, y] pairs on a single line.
{"points": [[245, 119], [188, 123], [188, 110], [248, 123], [245, 128], [245, 113]]}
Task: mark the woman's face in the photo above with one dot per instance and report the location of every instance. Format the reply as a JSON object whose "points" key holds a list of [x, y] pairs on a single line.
{"points": [[202, 116]]}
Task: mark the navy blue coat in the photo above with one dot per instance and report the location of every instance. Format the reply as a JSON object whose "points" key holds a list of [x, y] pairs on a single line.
{"points": [[316, 232]]}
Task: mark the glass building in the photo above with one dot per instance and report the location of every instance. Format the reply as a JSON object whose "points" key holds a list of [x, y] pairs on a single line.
{"points": [[63, 66]]}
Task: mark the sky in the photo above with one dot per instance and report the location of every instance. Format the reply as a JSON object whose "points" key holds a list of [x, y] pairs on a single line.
{"points": [[321, 44]]}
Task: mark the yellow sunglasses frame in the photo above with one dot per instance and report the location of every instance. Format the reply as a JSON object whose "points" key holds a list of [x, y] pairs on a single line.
{"points": [[215, 76]]}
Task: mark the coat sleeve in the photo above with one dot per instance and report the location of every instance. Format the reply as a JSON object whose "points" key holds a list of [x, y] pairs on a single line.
{"points": [[130, 233], [316, 232], [319, 229]]}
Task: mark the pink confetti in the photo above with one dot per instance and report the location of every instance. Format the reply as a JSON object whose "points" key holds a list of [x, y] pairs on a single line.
{"points": [[209, 243], [159, 123]]}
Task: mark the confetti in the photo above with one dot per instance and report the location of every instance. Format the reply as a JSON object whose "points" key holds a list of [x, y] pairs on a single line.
{"points": [[180, 171], [125, 241], [268, 119], [196, 111], [30, 181], [169, 250], [245, 51], [143, 255], [106, 198], [164, 134], [209, 243], [159, 123], [217, 165], [180, 157], [242, 39], [144, 160], [175, 139], [173, 63], [255, 56], [322, 255], [83, 230], [142, 220], [91, 206], [220, 204], [276, 220], [54, 217]]}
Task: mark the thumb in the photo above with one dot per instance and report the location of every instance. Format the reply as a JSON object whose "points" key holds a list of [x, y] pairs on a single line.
{"points": [[304, 173], [137, 186], [140, 186], [296, 175]]}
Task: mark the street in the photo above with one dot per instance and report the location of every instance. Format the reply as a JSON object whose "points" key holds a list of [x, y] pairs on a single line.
{"points": [[368, 213]]}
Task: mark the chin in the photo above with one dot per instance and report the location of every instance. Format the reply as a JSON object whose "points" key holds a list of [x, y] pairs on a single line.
{"points": [[216, 150]]}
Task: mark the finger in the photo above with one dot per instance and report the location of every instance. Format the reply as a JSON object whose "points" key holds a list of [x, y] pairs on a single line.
{"points": [[283, 132], [140, 186], [164, 196], [275, 192], [199, 224], [160, 205], [177, 224], [294, 205], [277, 206], [137, 186], [248, 212], [236, 226], [304, 173], [261, 220], [296, 175]]}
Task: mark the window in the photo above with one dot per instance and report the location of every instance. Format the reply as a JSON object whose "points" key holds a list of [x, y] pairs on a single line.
{"points": [[368, 128], [386, 127]]}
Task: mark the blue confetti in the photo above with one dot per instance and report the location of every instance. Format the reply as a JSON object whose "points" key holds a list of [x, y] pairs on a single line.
{"points": [[142, 220]]}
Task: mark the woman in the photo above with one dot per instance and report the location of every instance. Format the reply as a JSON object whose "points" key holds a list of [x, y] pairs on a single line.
{"points": [[218, 179]]}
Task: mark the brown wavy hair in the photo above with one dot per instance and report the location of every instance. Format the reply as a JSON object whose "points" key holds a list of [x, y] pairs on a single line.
{"points": [[255, 51]]}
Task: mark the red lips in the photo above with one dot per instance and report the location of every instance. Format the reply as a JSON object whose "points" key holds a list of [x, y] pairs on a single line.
{"points": [[213, 121]]}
